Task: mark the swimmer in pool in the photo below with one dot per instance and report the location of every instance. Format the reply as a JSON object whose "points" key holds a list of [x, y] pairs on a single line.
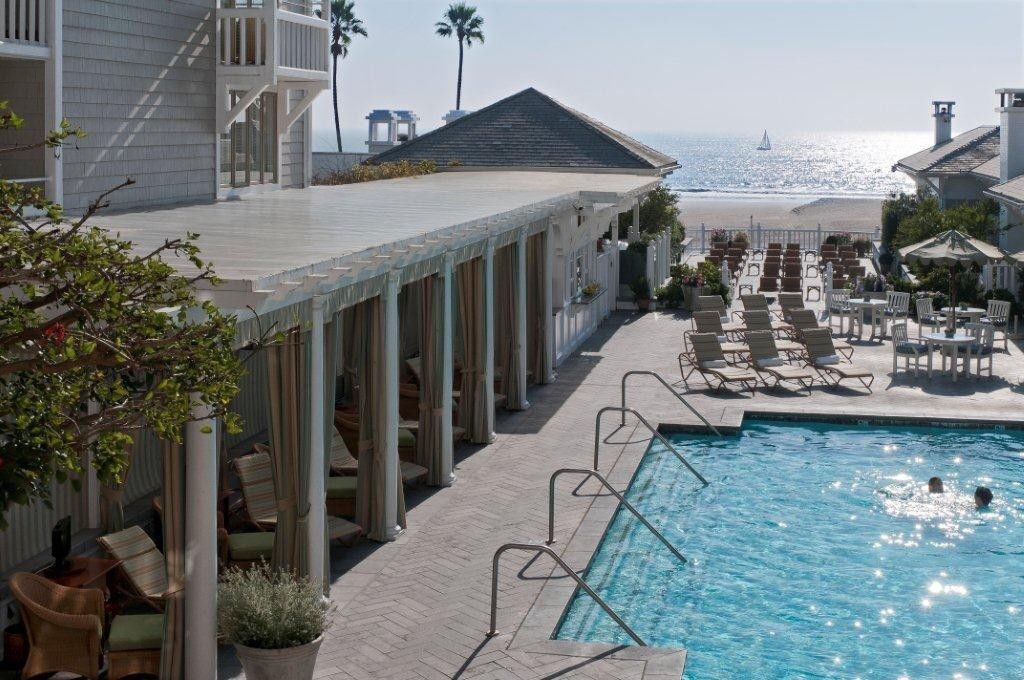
{"points": [[935, 485], [982, 497]]}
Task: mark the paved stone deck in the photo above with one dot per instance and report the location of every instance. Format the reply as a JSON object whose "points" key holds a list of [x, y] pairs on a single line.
{"points": [[418, 607]]}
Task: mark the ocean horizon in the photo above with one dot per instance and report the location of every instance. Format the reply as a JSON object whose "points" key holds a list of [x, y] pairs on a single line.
{"points": [[799, 165]]}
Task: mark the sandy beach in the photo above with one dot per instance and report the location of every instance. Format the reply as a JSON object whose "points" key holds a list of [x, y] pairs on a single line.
{"points": [[849, 214]]}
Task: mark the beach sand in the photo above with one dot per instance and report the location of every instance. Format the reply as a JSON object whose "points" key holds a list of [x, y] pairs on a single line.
{"points": [[848, 214]]}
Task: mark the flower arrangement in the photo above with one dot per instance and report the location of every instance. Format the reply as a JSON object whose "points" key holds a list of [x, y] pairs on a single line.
{"points": [[590, 290], [719, 236], [687, 275]]}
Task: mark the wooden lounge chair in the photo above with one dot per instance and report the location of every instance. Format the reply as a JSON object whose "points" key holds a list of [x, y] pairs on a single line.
{"points": [[710, 322], [804, 319], [789, 302], [344, 463], [257, 478], [822, 357], [760, 321], [709, 361], [142, 564], [757, 302], [764, 357]]}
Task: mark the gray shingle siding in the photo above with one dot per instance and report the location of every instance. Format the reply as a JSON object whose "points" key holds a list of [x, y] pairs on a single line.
{"points": [[21, 85], [140, 78]]}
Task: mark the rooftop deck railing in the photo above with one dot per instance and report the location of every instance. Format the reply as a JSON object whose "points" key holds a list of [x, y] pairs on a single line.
{"points": [[287, 34], [23, 22]]}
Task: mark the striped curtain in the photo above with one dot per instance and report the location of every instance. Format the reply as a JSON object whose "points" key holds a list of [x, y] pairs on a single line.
{"points": [[536, 321], [507, 289], [472, 402], [332, 347], [172, 654], [287, 377], [432, 440]]}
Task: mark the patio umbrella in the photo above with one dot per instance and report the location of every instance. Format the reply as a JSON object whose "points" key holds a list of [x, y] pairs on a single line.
{"points": [[952, 248]]}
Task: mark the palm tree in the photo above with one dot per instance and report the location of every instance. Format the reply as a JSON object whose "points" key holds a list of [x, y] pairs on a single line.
{"points": [[464, 23], [344, 26]]}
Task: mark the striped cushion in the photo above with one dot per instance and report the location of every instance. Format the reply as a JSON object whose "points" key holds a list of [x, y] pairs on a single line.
{"points": [[141, 562], [342, 460], [257, 479]]}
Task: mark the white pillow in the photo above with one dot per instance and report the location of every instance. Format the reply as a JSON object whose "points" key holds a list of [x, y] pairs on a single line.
{"points": [[771, 361], [828, 360], [722, 338], [725, 319], [715, 363]]}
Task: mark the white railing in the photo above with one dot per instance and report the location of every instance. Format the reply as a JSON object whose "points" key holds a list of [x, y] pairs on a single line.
{"points": [[659, 260], [300, 40], [996, 276], [759, 237], [578, 318], [23, 22]]}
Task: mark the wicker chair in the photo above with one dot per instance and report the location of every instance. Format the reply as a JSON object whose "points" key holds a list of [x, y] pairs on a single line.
{"points": [[65, 626]]}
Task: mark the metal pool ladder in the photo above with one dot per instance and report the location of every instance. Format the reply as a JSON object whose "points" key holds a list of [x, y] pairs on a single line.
{"points": [[622, 499], [675, 394], [529, 547], [659, 436]]}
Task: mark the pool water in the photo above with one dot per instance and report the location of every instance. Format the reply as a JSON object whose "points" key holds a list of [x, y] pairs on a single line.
{"points": [[816, 552]]}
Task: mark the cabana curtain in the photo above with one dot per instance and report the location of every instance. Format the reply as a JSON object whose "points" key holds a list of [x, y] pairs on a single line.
{"points": [[536, 324], [473, 414], [434, 440], [287, 377], [507, 290], [332, 348], [172, 654]]}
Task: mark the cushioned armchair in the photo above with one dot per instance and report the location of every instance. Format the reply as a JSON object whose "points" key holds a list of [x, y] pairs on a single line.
{"points": [[65, 626]]}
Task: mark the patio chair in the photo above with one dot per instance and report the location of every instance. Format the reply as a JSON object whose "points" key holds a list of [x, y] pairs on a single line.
{"points": [[64, 626], [792, 284], [764, 356], [709, 361], [804, 319], [714, 303], [344, 463], [903, 346], [256, 474], [983, 347], [790, 302], [757, 302], [760, 320], [927, 316], [768, 284], [822, 357], [142, 564], [134, 644], [839, 308], [998, 315]]}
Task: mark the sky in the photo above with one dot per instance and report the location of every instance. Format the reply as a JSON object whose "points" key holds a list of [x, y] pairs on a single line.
{"points": [[695, 66]]}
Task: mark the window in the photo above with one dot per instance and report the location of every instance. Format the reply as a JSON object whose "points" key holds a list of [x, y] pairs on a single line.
{"points": [[249, 150]]}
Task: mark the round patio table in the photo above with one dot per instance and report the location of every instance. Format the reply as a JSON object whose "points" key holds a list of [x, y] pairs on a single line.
{"points": [[863, 308], [942, 342], [971, 313]]}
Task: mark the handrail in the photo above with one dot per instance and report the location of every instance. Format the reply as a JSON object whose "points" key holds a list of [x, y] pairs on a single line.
{"points": [[658, 435], [607, 485], [572, 574], [668, 387]]}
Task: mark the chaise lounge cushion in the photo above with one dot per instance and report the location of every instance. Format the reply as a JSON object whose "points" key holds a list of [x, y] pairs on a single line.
{"points": [[137, 631], [406, 439], [251, 546], [341, 487]]}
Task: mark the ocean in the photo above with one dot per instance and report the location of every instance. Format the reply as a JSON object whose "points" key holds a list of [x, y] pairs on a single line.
{"points": [[812, 165]]}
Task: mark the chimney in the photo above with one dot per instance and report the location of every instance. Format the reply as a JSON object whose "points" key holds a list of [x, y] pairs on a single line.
{"points": [[943, 116], [1011, 133]]}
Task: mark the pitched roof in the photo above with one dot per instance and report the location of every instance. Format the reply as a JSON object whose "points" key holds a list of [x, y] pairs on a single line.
{"points": [[531, 130], [963, 153], [1012, 191], [989, 169]]}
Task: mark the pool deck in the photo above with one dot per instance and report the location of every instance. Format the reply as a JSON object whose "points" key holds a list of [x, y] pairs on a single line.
{"points": [[418, 607]]}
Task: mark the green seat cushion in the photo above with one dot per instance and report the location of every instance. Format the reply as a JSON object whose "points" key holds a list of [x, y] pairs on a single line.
{"points": [[136, 631], [341, 487], [252, 545], [406, 439]]}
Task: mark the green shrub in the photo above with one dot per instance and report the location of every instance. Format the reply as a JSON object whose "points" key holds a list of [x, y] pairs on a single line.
{"points": [[658, 211], [641, 288], [268, 609], [368, 172], [671, 294], [713, 285]]}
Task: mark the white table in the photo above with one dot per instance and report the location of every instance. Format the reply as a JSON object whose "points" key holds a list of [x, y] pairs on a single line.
{"points": [[971, 313], [862, 307], [942, 342]]}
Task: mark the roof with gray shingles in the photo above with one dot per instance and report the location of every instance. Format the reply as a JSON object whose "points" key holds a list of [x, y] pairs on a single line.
{"points": [[963, 153], [531, 130], [989, 169], [1012, 191]]}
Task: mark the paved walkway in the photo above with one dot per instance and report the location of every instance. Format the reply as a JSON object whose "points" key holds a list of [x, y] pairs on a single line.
{"points": [[418, 607]]}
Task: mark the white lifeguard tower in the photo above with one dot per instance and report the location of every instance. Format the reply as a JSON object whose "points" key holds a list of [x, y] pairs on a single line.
{"points": [[389, 128], [455, 114]]}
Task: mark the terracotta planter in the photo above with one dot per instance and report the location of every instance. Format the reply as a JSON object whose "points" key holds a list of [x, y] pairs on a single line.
{"points": [[292, 663]]}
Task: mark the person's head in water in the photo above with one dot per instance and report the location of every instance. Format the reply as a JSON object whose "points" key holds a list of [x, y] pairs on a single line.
{"points": [[982, 497], [935, 485]]}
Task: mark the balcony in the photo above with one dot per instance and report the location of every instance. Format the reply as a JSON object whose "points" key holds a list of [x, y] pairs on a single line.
{"points": [[24, 28], [261, 44]]}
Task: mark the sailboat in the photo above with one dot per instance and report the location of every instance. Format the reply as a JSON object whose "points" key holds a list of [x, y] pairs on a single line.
{"points": [[766, 144]]}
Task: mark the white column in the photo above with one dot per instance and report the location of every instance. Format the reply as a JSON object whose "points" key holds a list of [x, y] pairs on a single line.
{"points": [[317, 520], [54, 104], [613, 292], [488, 336], [201, 544], [521, 339], [447, 342], [634, 229], [390, 415], [548, 328]]}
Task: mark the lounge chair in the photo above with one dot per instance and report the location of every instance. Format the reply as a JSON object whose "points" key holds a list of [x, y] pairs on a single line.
{"points": [[64, 626], [789, 302], [142, 564], [344, 463], [707, 303], [709, 361], [764, 357], [710, 322], [822, 357], [804, 319], [257, 478], [760, 321], [756, 302]]}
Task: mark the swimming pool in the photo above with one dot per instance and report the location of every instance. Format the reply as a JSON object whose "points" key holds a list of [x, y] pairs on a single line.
{"points": [[817, 552]]}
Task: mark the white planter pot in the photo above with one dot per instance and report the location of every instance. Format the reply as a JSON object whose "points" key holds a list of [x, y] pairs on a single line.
{"points": [[292, 663]]}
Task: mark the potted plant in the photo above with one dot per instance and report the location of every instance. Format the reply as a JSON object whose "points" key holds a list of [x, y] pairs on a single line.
{"points": [[275, 620], [641, 293], [590, 290], [719, 236]]}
